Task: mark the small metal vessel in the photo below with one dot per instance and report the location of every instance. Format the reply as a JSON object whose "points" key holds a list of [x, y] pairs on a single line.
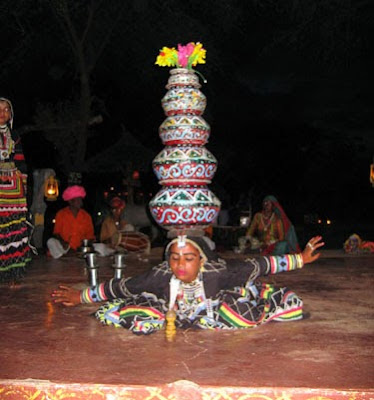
{"points": [[92, 268], [119, 265]]}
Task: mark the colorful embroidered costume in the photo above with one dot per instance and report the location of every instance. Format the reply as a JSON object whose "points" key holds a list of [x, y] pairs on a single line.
{"points": [[74, 229], [14, 229], [277, 232], [354, 244], [223, 296]]}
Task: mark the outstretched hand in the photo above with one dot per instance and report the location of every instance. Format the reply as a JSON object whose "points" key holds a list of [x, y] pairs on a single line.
{"points": [[67, 296], [313, 244]]}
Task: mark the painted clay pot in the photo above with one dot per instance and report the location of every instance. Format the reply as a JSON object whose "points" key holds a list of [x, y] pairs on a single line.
{"points": [[184, 166], [185, 207], [183, 100], [183, 77], [184, 129]]}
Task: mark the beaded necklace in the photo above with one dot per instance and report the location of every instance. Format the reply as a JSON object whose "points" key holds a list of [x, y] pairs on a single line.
{"points": [[6, 143], [267, 223]]}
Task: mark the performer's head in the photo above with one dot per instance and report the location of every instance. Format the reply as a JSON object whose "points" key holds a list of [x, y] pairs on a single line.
{"points": [[74, 195], [117, 205], [187, 256], [6, 112], [268, 203]]}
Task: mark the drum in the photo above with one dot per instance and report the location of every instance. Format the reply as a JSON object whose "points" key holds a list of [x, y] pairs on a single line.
{"points": [[134, 241]]}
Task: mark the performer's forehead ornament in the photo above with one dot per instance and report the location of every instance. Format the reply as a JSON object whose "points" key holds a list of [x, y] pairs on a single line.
{"points": [[181, 240], [184, 168], [198, 243]]}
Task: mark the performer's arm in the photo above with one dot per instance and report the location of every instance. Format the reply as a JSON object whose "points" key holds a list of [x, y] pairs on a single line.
{"points": [[152, 281], [19, 159], [253, 227], [275, 264], [289, 262], [249, 270]]}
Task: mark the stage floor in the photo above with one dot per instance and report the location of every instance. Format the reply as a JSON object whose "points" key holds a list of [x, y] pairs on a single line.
{"points": [[52, 352]]}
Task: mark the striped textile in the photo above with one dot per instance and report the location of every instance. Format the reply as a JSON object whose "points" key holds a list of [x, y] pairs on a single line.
{"points": [[14, 230]]}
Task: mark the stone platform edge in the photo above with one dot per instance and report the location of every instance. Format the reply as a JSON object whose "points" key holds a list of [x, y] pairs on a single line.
{"points": [[180, 390]]}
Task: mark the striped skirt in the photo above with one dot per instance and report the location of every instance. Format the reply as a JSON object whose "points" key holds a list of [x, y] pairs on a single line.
{"points": [[14, 231], [239, 308]]}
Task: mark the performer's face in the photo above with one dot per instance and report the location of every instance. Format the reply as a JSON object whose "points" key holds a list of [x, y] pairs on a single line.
{"points": [[5, 112], [76, 203], [267, 205], [117, 211], [185, 262]]}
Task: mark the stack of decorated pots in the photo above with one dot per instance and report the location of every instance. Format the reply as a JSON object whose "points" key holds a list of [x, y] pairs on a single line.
{"points": [[184, 167]]}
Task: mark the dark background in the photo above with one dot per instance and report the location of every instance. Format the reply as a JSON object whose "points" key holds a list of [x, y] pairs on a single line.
{"points": [[290, 94]]}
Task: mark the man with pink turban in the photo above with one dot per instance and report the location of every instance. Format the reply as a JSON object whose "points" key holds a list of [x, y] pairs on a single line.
{"points": [[73, 224]]}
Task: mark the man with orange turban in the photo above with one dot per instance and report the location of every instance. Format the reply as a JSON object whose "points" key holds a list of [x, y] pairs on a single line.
{"points": [[113, 223], [117, 234], [73, 224]]}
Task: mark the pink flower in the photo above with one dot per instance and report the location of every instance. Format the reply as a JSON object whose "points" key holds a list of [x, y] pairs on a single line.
{"points": [[184, 53]]}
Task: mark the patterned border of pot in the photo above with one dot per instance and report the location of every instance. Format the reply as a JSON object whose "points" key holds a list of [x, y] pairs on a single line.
{"points": [[184, 129]]}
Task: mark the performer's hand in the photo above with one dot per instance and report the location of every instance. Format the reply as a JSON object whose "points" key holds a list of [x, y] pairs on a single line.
{"points": [[67, 296], [313, 244]]}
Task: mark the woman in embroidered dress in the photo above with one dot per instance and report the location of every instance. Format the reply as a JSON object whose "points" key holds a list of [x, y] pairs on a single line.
{"points": [[273, 230], [204, 290], [14, 229], [355, 245]]}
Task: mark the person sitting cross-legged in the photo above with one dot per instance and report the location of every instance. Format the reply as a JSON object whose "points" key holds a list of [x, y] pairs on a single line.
{"points": [[72, 224], [271, 231]]}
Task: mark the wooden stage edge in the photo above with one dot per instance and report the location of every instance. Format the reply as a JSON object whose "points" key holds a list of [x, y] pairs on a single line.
{"points": [[180, 390]]}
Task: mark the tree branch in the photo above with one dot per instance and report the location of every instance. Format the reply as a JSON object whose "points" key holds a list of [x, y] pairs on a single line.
{"points": [[109, 32]]}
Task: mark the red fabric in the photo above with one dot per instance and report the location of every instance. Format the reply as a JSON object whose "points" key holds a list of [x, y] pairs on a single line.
{"points": [[74, 229], [117, 202], [268, 251], [278, 209], [15, 254]]}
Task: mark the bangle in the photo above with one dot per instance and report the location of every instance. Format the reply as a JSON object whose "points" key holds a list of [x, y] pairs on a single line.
{"points": [[300, 260]]}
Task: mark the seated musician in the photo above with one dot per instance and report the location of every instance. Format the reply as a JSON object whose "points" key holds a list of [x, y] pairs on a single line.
{"points": [[118, 234]]}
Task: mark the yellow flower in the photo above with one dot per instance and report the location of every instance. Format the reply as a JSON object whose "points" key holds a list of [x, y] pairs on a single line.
{"points": [[198, 55], [183, 57], [168, 57]]}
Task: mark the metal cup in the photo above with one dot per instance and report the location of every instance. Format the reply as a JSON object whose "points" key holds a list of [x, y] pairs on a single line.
{"points": [[86, 243], [93, 276], [92, 268], [90, 260], [119, 259], [118, 272], [119, 265]]}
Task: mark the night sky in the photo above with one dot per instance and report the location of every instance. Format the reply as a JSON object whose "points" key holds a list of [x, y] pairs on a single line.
{"points": [[290, 90]]}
